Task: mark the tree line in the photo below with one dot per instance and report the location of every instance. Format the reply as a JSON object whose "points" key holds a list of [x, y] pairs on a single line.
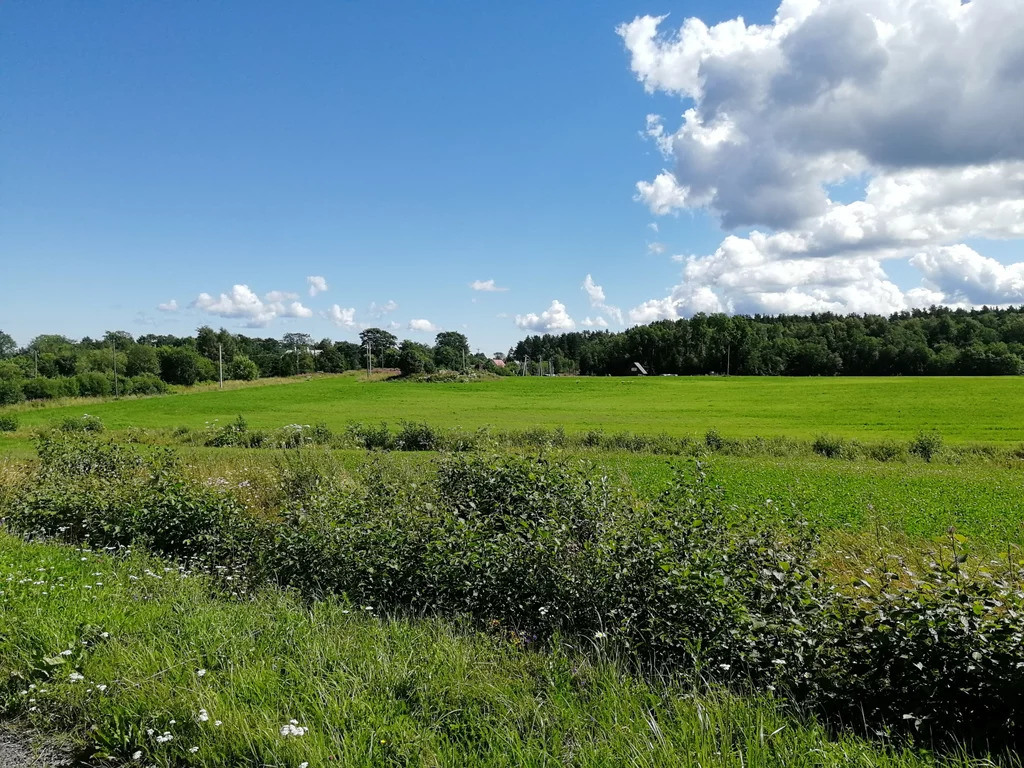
{"points": [[52, 366], [938, 341]]}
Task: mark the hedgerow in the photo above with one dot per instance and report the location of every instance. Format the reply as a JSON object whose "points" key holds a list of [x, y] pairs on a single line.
{"points": [[538, 547]]}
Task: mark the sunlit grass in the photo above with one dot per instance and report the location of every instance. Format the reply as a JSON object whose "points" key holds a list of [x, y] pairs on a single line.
{"points": [[155, 649]]}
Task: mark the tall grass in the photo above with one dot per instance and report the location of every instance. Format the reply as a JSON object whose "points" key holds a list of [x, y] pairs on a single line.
{"points": [[153, 652]]}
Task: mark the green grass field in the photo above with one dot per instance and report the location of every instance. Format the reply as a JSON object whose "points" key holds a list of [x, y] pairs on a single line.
{"points": [[961, 409]]}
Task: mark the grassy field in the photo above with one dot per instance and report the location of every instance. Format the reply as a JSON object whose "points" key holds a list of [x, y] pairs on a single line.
{"points": [[961, 409], [134, 663]]}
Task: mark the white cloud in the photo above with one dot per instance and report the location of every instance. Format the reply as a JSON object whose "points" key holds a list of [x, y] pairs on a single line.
{"points": [[485, 285], [341, 316], [552, 319], [423, 325], [275, 296], [653, 226], [597, 299], [244, 304], [168, 306], [917, 103], [379, 310], [656, 248], [597, 322], [317, 284]]}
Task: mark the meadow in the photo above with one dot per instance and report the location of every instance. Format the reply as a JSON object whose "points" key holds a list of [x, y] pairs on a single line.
{"points": [[700, 595], [962, 409]]}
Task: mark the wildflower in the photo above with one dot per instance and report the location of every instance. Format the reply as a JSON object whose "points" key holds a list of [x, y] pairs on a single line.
{"points": [[193, 750], [200, 672], [218, 723], [101, 688], [164, 738], [149, 731], [203, 716], [137, 755], [600, 635], [76, 677], [303, 765], [105, 635], [292, 728]]}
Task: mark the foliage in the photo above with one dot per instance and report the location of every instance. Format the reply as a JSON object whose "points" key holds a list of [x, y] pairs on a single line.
{"points": [[398, 691], [546, 548], [11, 392], [926, 445], [179, 365], [85, 423], [243, 368], [936, 341], [8, 422]]}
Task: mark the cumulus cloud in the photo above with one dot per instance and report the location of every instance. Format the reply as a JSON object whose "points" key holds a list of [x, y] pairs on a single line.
{"points": [[423, 325], [597, 322], [554, 318], [485, 285], [379, 310], [656, 248], [168, 306], [242, 303], [597, 299], [280, 296], [343, 317], [919, 104], [317, 284]]}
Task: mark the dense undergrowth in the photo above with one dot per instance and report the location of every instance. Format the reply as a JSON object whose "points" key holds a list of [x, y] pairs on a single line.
{"points": [[134, 662], [535, 548]]}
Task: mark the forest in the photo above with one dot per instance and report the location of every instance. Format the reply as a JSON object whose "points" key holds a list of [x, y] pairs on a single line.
{"points": [[935, 342]]}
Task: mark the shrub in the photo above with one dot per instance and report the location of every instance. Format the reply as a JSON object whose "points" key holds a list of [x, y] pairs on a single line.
{"points": [[244, 369], [829, 446], [889, 450], [8, 422], [179, 365], [926, 445], [11, 392], [372, 438], [417, 437], [84, 423], [713, 440], [145, 384], [41, 389], [94, 384], [233, 434]]}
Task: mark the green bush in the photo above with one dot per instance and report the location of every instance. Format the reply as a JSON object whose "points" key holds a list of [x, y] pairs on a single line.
{"points": [[371, 438], [8, 422], [94, 384], [11, 392], [889, 450], [829, 446], [926, 445], [244, 369], [41, 389], [145, 384], [713, 440], [417, 437], [84, 423]]}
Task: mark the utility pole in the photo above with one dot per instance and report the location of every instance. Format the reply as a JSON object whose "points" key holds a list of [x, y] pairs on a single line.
{"points": [[220, 363], [369, 359], [35, 354], [113, 357], [728, 359], [295, 351]]}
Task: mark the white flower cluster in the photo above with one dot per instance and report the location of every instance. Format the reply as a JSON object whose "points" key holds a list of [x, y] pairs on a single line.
{"points": [[292, 728]]}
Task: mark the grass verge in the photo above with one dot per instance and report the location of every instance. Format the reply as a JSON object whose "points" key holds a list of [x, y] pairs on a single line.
{"points": [[122, 653]]}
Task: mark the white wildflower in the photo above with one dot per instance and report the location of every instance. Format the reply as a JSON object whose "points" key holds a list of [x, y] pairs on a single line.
{"points": [[76, 677]]}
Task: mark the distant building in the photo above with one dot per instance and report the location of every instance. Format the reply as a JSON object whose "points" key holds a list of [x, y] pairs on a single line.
{"points": [[638, 369], [498, 362]]}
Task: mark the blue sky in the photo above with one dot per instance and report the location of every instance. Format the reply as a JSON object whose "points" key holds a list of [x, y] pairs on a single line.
{"points": [[159, 151]]}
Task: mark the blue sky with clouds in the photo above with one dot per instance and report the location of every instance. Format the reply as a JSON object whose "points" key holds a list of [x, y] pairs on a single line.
{"points": [[211, 158]]}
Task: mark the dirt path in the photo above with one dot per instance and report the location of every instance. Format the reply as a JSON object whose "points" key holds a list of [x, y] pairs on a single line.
{"points": [[17, 752]]}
